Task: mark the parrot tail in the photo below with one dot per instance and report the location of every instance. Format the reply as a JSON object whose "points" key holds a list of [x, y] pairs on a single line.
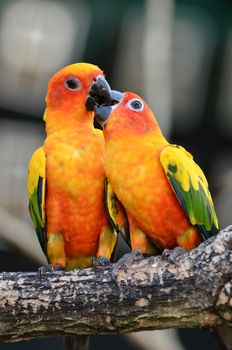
{"points": [[76, 342]]}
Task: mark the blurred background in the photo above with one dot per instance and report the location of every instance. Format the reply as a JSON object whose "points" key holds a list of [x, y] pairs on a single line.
{"points": [[176, 54]]}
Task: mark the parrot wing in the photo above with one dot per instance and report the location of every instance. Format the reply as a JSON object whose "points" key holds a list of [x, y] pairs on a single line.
{"points": [[191, 188], [36, 194], [116, 212]]}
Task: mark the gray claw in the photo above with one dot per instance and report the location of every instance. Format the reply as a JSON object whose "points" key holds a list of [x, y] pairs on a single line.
{"points": [[101, 261], [174, 255], [42, 270]]}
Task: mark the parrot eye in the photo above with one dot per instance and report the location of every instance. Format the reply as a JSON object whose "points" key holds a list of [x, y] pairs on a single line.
{"points": [[135, 105], [73, 83]]}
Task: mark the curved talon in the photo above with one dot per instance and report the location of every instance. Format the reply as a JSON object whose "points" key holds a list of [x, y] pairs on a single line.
{"points": [[57, 267], [174, 255], [166, 253], [103, 261], [129, 258], [42, 270], [100, 261]]}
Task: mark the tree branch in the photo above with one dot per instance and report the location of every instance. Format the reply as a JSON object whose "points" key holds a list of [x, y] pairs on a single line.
{"points": [[170, 291]]}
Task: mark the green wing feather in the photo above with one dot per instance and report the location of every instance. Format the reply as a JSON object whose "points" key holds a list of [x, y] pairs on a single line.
{"points": [[116, 212], [36, 194], [191, 188]]}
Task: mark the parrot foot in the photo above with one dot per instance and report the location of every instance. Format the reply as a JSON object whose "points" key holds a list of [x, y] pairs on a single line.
{"points": [[126, 261], [42, 270], [174, 255], [100, 261]]}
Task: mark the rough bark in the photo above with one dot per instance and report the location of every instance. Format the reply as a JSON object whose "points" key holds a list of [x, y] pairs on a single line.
{"points": [[177, 289]]}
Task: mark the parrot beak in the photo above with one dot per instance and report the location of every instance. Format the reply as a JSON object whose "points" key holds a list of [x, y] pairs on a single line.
{"points": [[102, 113], [99, 94], [116, 97]]}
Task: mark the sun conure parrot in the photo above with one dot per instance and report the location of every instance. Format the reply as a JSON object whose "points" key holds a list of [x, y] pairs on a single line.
{"points": [[66, 175], [164, 192]]}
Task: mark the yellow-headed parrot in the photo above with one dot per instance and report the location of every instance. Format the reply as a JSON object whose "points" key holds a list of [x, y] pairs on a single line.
{"points": [[164, 192], [66, 175]]}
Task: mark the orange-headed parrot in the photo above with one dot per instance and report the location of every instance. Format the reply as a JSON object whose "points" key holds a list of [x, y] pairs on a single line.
{"points": [[164, 192], [66, 175]]}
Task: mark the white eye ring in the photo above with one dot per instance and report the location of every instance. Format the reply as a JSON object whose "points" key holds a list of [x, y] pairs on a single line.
{"points": [[135, 105], [73, 83]]}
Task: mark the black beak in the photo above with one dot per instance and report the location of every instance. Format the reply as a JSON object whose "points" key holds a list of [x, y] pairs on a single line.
{"points": [[102, 113], [99, 94]]}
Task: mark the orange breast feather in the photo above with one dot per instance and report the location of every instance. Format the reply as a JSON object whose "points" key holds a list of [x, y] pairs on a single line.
{"points": [[75, 190], [141, 185]]}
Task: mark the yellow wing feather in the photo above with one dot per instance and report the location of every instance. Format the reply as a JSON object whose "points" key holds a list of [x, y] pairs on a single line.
{"points": [[36, 193], [191, 188]]}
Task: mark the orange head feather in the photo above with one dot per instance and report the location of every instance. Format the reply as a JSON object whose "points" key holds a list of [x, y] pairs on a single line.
{"points": [[66, 96], [131, 116]]}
